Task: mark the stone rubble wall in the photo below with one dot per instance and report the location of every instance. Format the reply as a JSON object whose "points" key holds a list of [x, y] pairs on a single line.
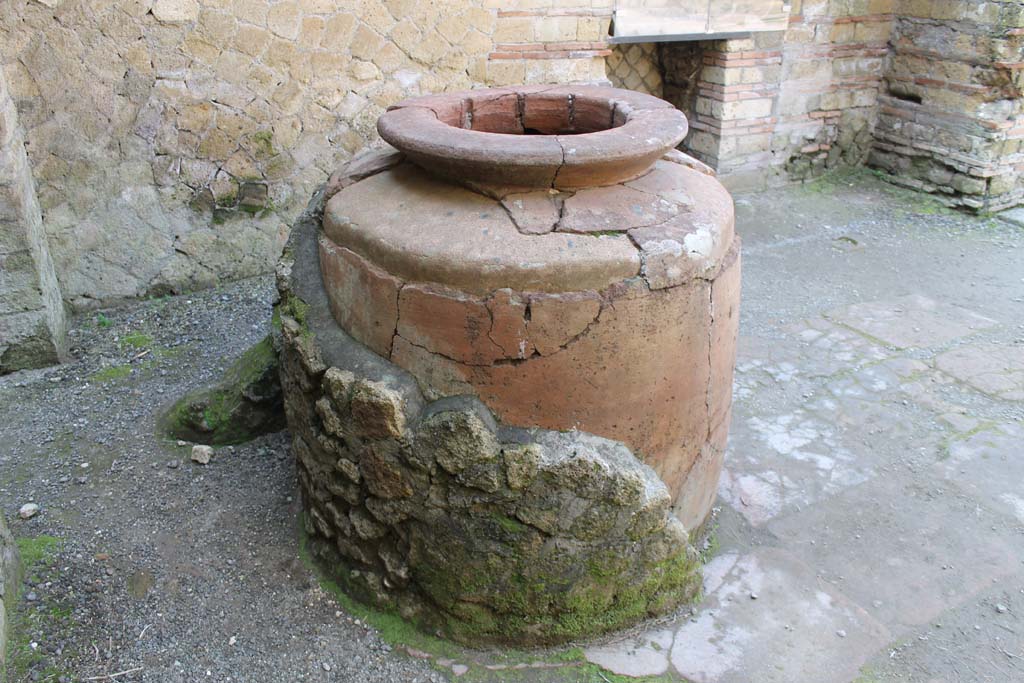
{"points": [[486, 533], [951, 118], [783, 106], [32, 322], [682, 65], [831, 73], [930, 90], [172, 141]]}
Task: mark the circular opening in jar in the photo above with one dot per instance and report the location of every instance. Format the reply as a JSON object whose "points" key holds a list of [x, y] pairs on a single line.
{"points": [[520, 136], [512, 113]]}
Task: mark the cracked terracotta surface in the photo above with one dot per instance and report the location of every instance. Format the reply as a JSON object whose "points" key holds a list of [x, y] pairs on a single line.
{"points": [[364, 298], [433, 231], [608, 306]]}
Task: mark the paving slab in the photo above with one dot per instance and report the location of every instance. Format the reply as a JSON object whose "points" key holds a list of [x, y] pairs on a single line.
{"points": [[905, 549], [783, 462], [765, 618], [796, 628], [997, 370], [829, 348], [979, 642], [799, 355], [835, 435], [643, 654], [912, 321], [987, 463]]}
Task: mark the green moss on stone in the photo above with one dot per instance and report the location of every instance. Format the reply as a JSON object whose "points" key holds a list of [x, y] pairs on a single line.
{"points": [[402, 633], [393, 628], [711, 547], [473, 620], [611, 600], [536, 600], [264, 142], [606, 568], [217, 415], [36, 351], [254, 362], [512, 526], [228, 200], [297, 309], [243, 405]]}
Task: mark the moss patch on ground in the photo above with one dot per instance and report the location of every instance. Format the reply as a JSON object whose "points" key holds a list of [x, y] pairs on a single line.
{"points": [[911, 202], [37, 551], [111, 373], [153, 354], [24, 662], [136, 340], [946, 447], [867, 676]]}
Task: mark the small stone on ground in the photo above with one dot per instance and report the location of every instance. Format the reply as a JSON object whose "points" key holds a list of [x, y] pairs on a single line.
{"points": [[202, 454]]}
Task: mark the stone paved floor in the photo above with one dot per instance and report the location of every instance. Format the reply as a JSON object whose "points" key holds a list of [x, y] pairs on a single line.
{"points": [[871, 520]]}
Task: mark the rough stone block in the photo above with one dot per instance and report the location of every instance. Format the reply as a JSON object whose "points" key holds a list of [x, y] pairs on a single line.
{"points": [[32, 323], [175, 11]]}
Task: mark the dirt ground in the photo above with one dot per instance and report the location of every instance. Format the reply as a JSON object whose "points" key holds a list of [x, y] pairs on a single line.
{"points": [[871, 522]]}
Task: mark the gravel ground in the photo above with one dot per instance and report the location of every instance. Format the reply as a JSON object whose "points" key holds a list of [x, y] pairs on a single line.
{"points": [[166, 569]]}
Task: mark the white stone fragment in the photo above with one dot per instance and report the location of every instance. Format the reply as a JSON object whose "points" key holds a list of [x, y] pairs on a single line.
{"points": [[202, 454]]}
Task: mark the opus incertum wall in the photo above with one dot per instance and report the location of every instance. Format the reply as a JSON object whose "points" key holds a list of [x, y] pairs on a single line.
{"points": [[508, 345]]}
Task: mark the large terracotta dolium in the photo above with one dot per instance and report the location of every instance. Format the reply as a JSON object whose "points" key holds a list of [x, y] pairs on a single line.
{"points": [[547, 250], [508, 341]]}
